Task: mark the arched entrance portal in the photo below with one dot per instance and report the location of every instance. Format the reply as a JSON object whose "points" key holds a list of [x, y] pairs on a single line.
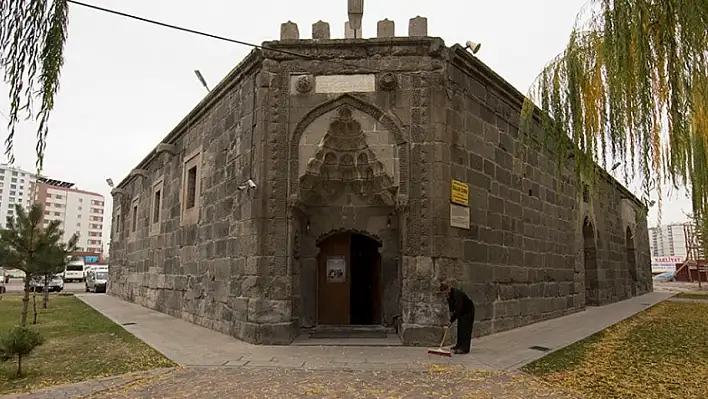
{"points": [[631, 261], [590, 262], [349, 280]]}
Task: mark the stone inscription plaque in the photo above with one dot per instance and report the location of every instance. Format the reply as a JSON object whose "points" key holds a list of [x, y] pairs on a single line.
{"points": [[345, 83], [460, 216]]}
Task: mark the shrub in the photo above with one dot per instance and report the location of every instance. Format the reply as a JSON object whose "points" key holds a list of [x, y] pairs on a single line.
{"points": [[20, 342]]}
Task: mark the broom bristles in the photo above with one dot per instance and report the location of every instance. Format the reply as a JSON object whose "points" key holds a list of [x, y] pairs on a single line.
{"points": [[439, 352]]}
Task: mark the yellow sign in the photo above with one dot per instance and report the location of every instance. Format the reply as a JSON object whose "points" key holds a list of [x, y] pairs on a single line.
{"points": [[459, 193]]}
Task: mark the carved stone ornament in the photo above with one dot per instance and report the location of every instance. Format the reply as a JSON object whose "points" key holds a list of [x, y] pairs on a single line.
{"points": [[345, 164], [304, 84], [119, 191], [387, 81]]}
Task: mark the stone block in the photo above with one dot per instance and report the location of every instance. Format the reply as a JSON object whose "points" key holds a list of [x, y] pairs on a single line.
{"points": [[269, 311], [277, 333], [425, 335], [266, 287], [418, 27], [289, 31], [348, 31], [239, 307], [385, 28], [320, 30]]}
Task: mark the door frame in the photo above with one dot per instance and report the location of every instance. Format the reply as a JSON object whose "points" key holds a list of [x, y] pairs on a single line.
{"points": [[378, 297]]}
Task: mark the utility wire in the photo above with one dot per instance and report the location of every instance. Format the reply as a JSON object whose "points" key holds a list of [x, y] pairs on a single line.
{"points": [[222, 38]]}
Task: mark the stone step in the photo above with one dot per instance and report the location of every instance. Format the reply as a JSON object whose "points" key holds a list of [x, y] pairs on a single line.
{"points": [[348, 331], [389, 341]]}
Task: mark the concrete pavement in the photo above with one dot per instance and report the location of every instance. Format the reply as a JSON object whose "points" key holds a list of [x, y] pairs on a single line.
{"points": [[191, 345], [222, 366]]}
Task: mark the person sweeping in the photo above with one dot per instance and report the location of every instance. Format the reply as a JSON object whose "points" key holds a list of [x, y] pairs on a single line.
{"points": [[462, 311]]}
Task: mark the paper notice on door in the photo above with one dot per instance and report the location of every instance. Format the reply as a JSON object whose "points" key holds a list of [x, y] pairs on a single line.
{"points": [[336, 269]]}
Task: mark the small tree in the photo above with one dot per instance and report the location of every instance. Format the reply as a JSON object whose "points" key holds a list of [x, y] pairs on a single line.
{"points": [[53, 261], [27, 245], [20, 342]]}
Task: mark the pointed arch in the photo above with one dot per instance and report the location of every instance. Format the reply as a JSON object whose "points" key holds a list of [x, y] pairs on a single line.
{"points": [[386, 119], [590, 262]]}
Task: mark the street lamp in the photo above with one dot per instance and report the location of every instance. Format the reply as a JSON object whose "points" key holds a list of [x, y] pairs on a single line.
{"points": [[201, 79], [110, 182]]}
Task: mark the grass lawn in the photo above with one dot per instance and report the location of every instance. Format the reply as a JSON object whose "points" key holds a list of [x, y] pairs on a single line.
{"points": [[659, 353], [693, 295], [80, 344]]}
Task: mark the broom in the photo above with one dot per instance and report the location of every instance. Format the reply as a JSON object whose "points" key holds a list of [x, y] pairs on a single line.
{"points": [[440, 351]]}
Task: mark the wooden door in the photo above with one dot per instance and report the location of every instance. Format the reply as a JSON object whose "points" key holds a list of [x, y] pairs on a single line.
{"points": [[334, 280]]}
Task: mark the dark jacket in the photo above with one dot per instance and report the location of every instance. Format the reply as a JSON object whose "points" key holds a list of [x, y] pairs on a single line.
{"points": [[460, 304]]}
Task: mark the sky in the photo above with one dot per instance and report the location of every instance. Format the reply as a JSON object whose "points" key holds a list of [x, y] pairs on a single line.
{"points": [[126, 84]]}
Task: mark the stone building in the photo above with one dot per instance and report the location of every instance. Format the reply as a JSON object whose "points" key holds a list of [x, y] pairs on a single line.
{"points": [[333, 182]]}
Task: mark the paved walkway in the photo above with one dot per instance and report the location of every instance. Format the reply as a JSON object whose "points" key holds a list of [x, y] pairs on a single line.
{"points": [[284, 383], [190, 345], [222, 366]]}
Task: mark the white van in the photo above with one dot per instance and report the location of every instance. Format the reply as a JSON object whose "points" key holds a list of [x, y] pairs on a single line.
{"points": [[92, 268], [74, 271]]}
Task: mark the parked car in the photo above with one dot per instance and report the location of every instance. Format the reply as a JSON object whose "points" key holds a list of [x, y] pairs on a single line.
{"points": [[56, 284], [96, 280], [667, 276], [4, 279], [91, 268]]}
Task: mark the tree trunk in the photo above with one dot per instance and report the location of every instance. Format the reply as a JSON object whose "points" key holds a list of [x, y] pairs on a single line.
{"points": [[34, 305], [25, 301], [46, 292]]}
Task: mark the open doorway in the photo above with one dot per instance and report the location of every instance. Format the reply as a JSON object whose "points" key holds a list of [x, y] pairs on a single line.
{"points": [[349, 274], [590, 263], [364, 295]]}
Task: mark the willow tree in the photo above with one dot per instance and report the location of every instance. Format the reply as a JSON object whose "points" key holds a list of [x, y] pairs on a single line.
{"points": [[32, 38], [632, 84]]}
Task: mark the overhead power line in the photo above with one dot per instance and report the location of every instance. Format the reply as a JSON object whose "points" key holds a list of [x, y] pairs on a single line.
{"points": [[217, 37]]}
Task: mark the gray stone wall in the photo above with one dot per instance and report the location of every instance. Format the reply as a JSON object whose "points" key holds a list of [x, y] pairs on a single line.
{"points": [[520, 260], [213, 269]]}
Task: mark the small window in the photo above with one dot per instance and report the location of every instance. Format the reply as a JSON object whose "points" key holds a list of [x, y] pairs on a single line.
{"points": [[156, 207], [117, 223], [191, 187], [134, 216]]}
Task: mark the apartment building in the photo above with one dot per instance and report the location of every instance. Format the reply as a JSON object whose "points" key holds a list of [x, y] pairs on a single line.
{"points": [[16, 187], [668, 240], [79, 211]]}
